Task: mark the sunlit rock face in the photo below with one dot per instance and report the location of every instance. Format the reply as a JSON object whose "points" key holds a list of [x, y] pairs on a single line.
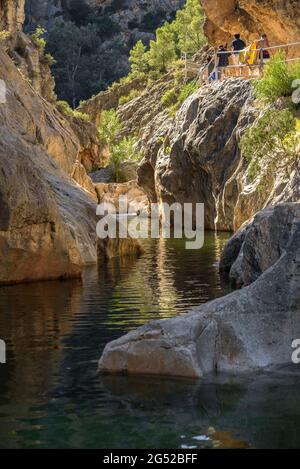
{"points": [[196, 158], [11, 15], [280, 19], [47, 220]]}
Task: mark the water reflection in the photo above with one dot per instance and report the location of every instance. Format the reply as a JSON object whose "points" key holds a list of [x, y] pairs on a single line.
{"points": [[51, 396]]}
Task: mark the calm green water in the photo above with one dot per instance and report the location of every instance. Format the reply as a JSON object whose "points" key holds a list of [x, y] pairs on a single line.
{"points": [[52, 397]]}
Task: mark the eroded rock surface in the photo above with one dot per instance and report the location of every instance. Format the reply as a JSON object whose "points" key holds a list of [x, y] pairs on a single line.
{"points": [[249, 329], [47, 222], [279, 19], [192, 158], [196, 157]]}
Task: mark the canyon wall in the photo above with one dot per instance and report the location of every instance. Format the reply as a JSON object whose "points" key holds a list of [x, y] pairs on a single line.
{"points": [[47, 217], [12, 15], [279, 19]]}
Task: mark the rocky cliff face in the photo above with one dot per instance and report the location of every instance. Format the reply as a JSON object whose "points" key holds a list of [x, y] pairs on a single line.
{"points": [[11, 15], [279, 19], [47, 222], [47, 201], [196, 157]]}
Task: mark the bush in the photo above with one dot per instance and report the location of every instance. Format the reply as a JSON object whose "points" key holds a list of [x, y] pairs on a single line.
{"points": [[37, 37], [65, 108], [120, 149], [4, 35], [271, 143], [186, 90], [126, 99], [277, 79], [169, 98], [175, 97]]}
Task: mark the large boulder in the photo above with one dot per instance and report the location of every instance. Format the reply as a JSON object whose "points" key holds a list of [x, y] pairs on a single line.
{"points": [[258, 245], [247, 330]]}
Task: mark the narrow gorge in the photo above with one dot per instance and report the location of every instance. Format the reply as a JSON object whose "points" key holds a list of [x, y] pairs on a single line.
{"points": [[105, 99]]}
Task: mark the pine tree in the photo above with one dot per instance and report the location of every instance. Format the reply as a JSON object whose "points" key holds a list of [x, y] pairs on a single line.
{"points": [[189, 27], [138, 59], [163, 51]]}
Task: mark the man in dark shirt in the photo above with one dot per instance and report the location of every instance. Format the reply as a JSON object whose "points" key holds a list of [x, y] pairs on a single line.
{"points": [[223, 56], [237, 46], [223, 59]]}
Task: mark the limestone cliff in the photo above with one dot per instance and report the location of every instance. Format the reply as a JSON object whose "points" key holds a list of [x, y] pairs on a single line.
{"points": [[196, 157], [47, 222], [278, 18], [47, 201], [12, 15]]}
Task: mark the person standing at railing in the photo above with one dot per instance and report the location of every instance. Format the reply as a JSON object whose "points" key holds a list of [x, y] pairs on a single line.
{"points": [[263, 44], [238, 45], [223, 58]]}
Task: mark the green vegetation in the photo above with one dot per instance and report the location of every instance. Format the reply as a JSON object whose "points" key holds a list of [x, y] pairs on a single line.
{"points": [[38, 38], [175, 97], [90, 53], [64, 108], [138, 59], [277, 79], [184, 34], [4, 35], [121, 149], [126, 99], [169, 99], [271, 143], [189, 27]]}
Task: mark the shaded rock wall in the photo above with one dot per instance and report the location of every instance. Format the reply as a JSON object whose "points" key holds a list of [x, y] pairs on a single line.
{"points": [[196, 157]]}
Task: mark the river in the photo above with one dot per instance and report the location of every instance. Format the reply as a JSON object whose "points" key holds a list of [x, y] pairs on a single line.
{"points": [[52, 397]]}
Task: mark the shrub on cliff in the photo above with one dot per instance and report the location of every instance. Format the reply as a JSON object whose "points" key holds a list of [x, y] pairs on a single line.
{"points": [[271, 144], [175, 97], [121, 149], [277, 79], [65, 108], [138, 60]]}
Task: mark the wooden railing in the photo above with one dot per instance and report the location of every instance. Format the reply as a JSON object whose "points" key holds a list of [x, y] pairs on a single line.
{"points": [[213, 72]]}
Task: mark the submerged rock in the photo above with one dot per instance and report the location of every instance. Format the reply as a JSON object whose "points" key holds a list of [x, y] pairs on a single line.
{"points": [[249, 329]]}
